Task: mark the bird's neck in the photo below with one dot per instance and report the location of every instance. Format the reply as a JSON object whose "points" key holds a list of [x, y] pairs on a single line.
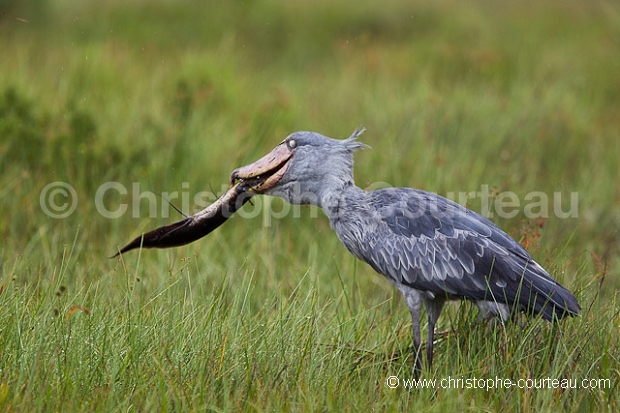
{"points": [[337, 198]]}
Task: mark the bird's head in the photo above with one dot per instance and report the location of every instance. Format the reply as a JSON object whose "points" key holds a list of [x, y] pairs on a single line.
{"points": [[303, 169]]}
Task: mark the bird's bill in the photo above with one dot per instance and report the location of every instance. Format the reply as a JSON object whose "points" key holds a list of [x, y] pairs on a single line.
{"points": [[263, 174]]}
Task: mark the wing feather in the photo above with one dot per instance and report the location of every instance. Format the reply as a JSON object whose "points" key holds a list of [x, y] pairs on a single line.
{"points": [[431, 244]]}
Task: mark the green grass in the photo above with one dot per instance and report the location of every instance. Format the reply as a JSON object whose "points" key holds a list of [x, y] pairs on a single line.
{"points": [[273, 313]]}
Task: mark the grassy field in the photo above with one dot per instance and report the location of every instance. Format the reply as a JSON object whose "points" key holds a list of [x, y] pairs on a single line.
{"points": [[121, 100]]}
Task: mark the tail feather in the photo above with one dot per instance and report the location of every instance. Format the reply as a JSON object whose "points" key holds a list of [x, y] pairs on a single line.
{"points": [[542, 295]]}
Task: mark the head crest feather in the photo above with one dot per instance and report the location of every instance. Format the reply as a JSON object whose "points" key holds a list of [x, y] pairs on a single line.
{"points": [[351, 142]]}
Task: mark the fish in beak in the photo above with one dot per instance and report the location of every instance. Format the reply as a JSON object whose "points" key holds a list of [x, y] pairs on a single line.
{"points": [[245, 182], [265, 173], [195, 226]]}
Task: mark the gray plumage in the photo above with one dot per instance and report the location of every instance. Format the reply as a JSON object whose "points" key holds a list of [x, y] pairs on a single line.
{"points": [[432, 249]]}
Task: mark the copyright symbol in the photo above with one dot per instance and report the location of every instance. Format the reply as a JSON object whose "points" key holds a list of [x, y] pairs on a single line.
{"points": [[392, 382], [58, 200]]}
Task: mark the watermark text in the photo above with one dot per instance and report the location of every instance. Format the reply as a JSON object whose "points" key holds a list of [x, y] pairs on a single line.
{"points": [[113, 200], [494, 383]]}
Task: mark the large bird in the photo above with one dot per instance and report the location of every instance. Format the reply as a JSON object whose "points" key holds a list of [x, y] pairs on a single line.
{"points": [[432, 249]]}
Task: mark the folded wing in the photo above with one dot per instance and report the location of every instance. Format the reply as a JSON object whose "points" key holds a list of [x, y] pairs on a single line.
{"points": [[433, 244]]}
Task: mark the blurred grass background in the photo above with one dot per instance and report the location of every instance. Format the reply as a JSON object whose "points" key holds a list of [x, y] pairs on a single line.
{"points": [[519, 96]]}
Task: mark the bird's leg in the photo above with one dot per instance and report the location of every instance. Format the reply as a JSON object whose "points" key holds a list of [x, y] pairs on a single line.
{"points": [[429, 343], [433, 309], [417, 346], [414, 302]]}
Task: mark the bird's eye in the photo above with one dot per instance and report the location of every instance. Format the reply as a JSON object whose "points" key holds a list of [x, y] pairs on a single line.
{"points": [[291, 143]]}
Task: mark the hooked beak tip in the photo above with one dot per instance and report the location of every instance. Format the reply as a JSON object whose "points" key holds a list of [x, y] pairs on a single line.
{"points": [[265, 172]]}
